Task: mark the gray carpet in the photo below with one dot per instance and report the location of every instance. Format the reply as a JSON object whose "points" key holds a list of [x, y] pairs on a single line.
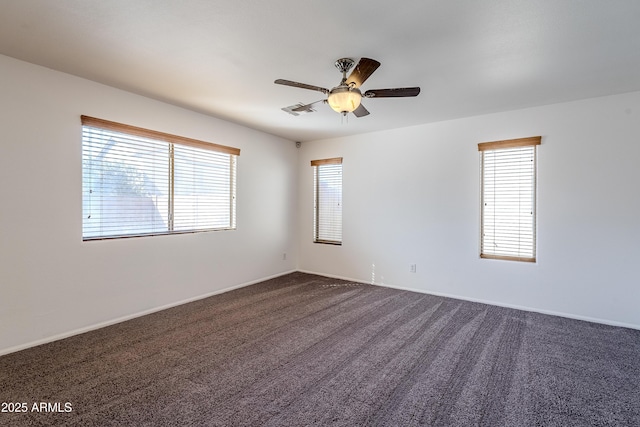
{"points": [[304, 350]]}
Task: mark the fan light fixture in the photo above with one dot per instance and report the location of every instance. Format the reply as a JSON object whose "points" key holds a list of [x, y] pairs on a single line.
{"points": [[344, 99]]}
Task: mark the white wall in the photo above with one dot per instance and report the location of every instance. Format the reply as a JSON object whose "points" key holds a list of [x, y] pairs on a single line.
{"points": [[411, 196], [51, 282]]}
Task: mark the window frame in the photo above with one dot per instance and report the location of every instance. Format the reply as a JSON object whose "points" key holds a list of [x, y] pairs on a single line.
{"points": [[317, 221], [172, 141], [484, 147]]}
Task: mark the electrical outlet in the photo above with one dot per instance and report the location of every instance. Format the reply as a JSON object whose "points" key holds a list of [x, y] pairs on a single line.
{"points": [[412, 268]]}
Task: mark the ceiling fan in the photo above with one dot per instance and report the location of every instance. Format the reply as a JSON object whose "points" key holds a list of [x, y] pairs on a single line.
{"points": [[346, 97]]}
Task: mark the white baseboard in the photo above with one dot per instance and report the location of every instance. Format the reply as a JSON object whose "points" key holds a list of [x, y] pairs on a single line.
{"points": [[133, 316], [499, 304]]}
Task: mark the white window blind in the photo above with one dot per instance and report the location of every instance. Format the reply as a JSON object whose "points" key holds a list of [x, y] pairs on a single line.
{"points": [[508, 224], [327, 184], [139, 182]]}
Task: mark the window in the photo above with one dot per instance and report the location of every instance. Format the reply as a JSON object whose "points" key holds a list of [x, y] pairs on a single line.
{"points": [[327, 196], [508, 224], [139, 182]]}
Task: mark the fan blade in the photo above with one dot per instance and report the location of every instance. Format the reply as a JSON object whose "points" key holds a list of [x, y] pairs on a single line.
{"points": [[363, 71], [301, 85], [307, 107], [392, 93], [361, 111]]}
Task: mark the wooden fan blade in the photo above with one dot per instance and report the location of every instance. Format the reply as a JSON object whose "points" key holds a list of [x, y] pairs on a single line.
{"points": [[301, 85], [307, 107], [363, 71], [398, 92], [361, 111]]}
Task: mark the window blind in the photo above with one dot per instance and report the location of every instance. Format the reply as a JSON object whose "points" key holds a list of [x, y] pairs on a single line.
{"points": [[139, 182], [327, 183], [508, 223]]}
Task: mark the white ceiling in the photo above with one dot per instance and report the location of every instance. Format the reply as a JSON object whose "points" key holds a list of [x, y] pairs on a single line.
{"points": [[220, 57]]}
